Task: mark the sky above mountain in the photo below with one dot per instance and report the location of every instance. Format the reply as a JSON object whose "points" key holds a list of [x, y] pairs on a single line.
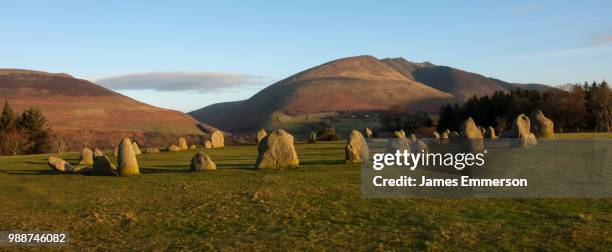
{"points": [[196, 53]]}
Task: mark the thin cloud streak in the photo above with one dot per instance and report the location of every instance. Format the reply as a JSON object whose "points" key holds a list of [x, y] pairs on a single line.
{"points": [[202, 82]]}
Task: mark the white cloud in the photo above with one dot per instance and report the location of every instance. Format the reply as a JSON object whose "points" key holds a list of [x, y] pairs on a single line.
{"points": [[202, 82]]}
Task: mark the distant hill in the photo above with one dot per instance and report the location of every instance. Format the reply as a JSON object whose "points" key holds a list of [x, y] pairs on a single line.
{"points": [[351, 84], [68, 103], [461, 84], [358, 84]]}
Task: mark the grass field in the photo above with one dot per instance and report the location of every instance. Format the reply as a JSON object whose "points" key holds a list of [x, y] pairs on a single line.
{"points": [[315, 207]]}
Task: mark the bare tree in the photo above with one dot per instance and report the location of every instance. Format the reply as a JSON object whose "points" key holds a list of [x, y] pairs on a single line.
{"points": [[501, 123], [59, 141], [601, 102], [88, 127], [16, 141]]}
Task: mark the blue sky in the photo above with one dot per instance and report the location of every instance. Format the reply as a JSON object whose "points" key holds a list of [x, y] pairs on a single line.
{"points": [[227, 50]]}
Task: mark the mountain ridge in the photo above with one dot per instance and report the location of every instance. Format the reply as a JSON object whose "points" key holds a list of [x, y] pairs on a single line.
{"points": [[359, 83]]}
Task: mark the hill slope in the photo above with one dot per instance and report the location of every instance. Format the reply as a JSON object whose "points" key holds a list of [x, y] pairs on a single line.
{"points": [[360, 83], [459, 83], [68, 102]]}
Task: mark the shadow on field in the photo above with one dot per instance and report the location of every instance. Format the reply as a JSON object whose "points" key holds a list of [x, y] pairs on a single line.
{"points": [[165, 169], [30, 172]]}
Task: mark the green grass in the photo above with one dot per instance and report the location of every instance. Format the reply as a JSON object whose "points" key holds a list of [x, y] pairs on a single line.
{"points": [[586, 135], [315, 207]]}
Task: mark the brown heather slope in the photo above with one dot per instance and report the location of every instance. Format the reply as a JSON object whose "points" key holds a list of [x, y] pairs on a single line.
{"points": [[68, 103], [461, 84], [360, 83]]}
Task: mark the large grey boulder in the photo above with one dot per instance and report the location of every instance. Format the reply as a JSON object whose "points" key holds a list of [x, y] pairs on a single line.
{"points": [[86, 157], [202, 162], [472, 140], [216, 139], [541, 126], [260, 135], [127, 163], [276, 151], [182, 143], [103, 166], [356, 149], [59, 164]]}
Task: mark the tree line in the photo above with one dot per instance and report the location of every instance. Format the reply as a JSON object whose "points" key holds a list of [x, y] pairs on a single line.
{"points": [[578, 108], [25, 133]]}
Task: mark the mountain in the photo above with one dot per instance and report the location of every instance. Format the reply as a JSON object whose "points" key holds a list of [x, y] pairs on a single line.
{"points": [[361, 83], [461, 84], [357, 84], [69, 103]]}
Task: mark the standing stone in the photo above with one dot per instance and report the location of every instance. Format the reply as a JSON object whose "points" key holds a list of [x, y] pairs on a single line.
{"points": [[182, 143], [490, 133], [202, 162], [174, 148], [151, 150], [436, 137], [136, 148], [401, 144], [541, 125], [207, 144], [59, 164], [400, 134], [103, 166], [368, 133], [86, 157], [444, 138], [356, 148], [473, 139], [276, 151], [419, 146], [127, 163], [312, 137], [116, 152], [521, 131], [260, 135], [216, 139], [193, 147], [97, 153], [412, 138]]}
